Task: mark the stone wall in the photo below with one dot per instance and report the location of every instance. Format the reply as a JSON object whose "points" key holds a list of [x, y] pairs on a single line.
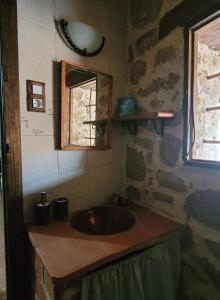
{"points": [[155, 173]]}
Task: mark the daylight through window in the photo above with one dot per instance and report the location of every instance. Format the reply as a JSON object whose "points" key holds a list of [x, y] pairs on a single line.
{"points": [[204, 105]]}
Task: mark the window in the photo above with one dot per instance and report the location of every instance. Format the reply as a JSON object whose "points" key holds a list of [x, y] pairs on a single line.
{"points": [[83, 109], [203, 114]]}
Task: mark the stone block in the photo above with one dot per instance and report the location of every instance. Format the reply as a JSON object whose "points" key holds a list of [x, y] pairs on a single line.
{"points": [[163, 197], [172, 80], [199, 278], [164, 55], [169, 150], [133, 193], [146, 41], [204, 206], [211, 271], [135, 165], [138, 70], [171, 181], [149, 158], [213, 247], [154, 87], [144, 143], [160, 83]]}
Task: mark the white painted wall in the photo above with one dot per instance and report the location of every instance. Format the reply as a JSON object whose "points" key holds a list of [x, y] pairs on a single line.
{"points": [[85, 177]]}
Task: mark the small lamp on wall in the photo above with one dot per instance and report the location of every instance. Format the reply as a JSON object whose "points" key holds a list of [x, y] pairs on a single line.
{"points": [[80, 37]]}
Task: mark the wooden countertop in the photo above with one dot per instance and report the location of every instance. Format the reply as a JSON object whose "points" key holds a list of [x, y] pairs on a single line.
{"points": [[67, 253]]}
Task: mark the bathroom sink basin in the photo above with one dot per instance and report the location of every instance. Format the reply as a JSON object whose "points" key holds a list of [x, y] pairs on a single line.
{"points": [[103, 220]]}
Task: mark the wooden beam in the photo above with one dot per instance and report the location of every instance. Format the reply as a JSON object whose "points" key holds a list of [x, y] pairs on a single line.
{"points": [[187, 14], [12, 173]]}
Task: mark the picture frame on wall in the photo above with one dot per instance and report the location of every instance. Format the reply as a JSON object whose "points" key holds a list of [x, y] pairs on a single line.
{"points": [[35, 96]]}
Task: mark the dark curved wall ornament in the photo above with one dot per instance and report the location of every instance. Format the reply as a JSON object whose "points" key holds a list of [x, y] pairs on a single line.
{"points": [[62, 29], [143, 12]]}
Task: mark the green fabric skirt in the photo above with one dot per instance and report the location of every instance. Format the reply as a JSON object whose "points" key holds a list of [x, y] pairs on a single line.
{"points": [[150, 275]]}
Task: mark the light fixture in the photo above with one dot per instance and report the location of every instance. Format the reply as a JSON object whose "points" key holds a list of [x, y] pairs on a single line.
{"points": [[80, 37]]}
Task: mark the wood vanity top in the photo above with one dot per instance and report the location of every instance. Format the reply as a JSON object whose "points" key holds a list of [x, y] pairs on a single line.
{"points": [[67, 253]]}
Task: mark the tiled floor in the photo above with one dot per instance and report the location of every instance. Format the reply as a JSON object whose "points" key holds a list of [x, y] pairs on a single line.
{"points": [[2, 255]]}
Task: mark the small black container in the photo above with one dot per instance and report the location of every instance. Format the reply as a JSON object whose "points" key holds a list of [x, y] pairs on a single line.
{"points": [[61, 208], [42, 210]]}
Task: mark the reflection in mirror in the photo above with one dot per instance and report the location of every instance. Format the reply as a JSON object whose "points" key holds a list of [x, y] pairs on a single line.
{"points": [[86, 108]]}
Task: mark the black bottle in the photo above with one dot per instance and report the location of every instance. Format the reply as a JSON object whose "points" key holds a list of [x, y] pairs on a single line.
{"points": [[42, 210], [61, 208]]}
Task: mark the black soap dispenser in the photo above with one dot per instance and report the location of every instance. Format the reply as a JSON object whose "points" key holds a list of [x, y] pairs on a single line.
{"points": [[42, 210], [61, 208]]}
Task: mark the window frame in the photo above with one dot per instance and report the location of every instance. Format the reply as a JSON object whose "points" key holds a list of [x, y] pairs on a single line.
{"points": [[189, 45]]}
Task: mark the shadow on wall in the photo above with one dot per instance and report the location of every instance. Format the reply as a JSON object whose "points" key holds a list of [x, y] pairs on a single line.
{"points": [[87, 178], [76, 187], [84, 186]]}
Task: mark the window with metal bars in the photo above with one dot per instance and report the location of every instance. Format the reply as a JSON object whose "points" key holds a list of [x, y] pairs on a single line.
{"points": [[202, 145], [83, 109]]}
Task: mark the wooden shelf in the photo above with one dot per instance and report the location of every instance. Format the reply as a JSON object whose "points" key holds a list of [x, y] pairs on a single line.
{"points": [[132, 121], [146, 116], [96, 122], [149, 117]]}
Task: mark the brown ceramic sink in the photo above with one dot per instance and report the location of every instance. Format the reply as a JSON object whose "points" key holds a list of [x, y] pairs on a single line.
{"points": [[103, 220]]}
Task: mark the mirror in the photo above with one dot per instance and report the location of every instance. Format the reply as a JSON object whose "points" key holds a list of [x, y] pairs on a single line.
{"points": [[86, 102]]}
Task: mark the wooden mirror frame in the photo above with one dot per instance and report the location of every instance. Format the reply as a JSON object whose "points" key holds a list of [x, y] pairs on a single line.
{"points": [[64, 144]]}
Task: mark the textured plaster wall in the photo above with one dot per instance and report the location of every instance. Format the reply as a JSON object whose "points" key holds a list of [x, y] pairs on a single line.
{"points": [[85, 177], [155, 173]]}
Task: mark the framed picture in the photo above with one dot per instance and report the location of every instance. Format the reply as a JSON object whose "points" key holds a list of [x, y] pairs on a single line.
{"points": [[35, 96]]}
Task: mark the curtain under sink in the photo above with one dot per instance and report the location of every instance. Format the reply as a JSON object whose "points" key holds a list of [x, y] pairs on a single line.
{"points": [[150, 275]]}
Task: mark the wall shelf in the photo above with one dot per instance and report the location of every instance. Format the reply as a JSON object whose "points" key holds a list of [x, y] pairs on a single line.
{"points": [[154, 119], [98, 124], [95, 122], [150, 118], [146, 116]]}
